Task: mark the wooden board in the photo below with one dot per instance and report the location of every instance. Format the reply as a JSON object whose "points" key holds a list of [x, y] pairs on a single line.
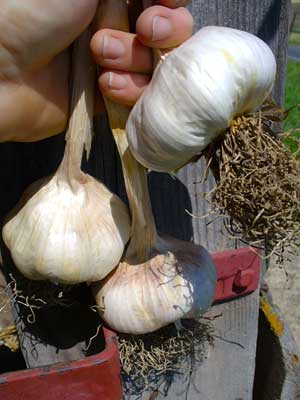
{"points": [[226, 371], [278, 357]]}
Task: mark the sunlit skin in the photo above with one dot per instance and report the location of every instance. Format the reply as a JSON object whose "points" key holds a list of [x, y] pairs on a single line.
{"points": [[35, 44]]}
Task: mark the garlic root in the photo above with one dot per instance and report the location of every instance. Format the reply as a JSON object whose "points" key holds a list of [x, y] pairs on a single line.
{"points": [[258, 182]]}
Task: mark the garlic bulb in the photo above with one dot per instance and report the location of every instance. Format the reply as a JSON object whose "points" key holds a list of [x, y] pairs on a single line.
{"points": [[70, 228], [177, 281], [195, 93], [67, 236]]}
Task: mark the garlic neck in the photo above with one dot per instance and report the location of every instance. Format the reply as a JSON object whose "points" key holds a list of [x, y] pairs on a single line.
{"points": [[113, 14], [143, 231], [79, 133]]}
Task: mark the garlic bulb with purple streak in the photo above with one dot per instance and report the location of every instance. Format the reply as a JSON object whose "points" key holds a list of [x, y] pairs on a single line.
{"points": [[177, 281]]}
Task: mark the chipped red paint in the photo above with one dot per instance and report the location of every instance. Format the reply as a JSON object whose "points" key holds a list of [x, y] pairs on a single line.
{"points": [[94, 378], [238, 273]]}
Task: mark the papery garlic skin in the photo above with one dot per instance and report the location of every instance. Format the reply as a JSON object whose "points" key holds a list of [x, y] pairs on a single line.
{"points": [[177, 282], [195, 93], [67, 236]]}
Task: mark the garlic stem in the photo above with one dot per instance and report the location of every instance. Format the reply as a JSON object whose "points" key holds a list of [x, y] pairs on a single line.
{"points": [[79, 133], [113, 14], [143, 231]]}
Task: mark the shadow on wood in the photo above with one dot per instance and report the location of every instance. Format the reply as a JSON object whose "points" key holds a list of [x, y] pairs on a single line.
{"points": [[277, 373]]}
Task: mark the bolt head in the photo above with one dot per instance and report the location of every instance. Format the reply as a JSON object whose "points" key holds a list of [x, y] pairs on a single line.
{"points": [[243, 278]]}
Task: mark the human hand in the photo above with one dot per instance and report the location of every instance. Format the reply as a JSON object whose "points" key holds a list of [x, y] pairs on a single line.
{"points": [[35, 60], [126, 58]]}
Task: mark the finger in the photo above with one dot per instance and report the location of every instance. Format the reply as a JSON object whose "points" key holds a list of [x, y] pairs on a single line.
{"points": [[162, 27], [123, 87], [121, 51]]}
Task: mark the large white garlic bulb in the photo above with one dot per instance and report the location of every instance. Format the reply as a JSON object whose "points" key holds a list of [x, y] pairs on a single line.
{"points": [[70, 228], [195, 93], [65, 235], [178, 281]]}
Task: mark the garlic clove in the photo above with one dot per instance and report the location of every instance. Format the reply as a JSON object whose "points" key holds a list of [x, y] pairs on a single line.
{"points": [[195, 93], [178, 281], [67, 236]]}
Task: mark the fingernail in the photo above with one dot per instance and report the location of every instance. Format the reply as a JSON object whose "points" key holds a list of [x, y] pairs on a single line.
{"points": [[161, 28], [116, 81], [112, 48]]}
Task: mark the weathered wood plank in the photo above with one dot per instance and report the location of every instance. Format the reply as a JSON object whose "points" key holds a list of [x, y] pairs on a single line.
{"points": [[223, 373], [228, 372], [278, 357]]}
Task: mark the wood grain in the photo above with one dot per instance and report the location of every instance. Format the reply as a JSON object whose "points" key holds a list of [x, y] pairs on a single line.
{"points": [[277, 373], [228, 363]]}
